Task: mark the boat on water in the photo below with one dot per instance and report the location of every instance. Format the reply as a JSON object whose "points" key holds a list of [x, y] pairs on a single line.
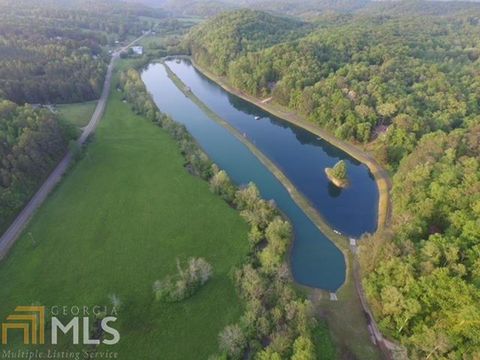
{"points": [[257, 117]]}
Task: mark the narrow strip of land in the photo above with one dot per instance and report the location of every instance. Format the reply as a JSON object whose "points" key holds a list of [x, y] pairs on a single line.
{"points": [[15, 229]]}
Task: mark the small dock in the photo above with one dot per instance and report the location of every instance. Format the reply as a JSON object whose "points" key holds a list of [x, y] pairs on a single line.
{"points": [[353, 245]]}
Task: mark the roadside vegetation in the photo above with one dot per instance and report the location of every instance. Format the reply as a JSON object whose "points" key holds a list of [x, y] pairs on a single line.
{"points": [[50, 53], [32, 141], [77, 114], [57, 53], [54, 55]]}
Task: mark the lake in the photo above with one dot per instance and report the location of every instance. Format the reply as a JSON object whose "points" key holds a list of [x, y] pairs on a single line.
{"points": [[315, 260]]}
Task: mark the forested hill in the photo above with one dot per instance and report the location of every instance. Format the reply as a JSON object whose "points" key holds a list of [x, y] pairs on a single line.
{"points": [[220, 41], [419, 7], [304, 8], [200, 8], [54, 52], [380, 80], [404, 82], [307, 9]]}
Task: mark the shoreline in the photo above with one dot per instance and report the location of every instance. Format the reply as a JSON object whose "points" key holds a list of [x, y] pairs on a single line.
{"points": [[335, 181]]}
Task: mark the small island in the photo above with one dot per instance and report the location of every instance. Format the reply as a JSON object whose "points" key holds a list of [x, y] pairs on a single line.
{"points": [[338, 174]]}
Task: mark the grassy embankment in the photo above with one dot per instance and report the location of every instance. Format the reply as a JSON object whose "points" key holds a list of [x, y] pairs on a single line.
{"points": [[117, 223], [345, 317]]}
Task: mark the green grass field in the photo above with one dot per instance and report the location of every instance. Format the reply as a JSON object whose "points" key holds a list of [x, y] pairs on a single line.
{"points": [[324, 345], [78, 114], [117, 223]]}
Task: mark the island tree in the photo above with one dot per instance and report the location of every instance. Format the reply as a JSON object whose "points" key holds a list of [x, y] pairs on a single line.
{"points": [[338, 174]]}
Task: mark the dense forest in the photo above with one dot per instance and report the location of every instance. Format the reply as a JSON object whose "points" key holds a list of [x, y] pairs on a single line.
{"points": [[402, 82], [31, 143], [56, 54], [383, 81], [423, 274], [219, 42], [304, 9]]}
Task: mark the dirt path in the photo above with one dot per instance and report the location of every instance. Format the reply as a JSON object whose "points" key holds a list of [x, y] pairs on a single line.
{"points": [[13, 232]]}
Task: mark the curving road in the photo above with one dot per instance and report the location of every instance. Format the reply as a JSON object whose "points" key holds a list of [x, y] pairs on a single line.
{"points": [[15, 229]]}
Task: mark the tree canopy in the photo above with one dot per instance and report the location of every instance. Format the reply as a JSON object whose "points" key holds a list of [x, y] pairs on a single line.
{"points": [[51, 53], [380, 80], [218, 42], [31, 143], [422, 277], [340, 170]]}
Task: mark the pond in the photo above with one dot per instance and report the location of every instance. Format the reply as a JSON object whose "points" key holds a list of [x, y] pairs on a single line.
{"points": [[315, 260]]}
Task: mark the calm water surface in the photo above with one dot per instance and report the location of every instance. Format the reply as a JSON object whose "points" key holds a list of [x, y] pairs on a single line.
{"points": [[315, 260], [301, 155]]}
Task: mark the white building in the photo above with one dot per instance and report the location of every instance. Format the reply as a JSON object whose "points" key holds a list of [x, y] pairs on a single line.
{"points": [[137, 50]]}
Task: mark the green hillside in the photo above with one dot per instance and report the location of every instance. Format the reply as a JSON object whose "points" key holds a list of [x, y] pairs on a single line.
{"points": [[224, 38]]}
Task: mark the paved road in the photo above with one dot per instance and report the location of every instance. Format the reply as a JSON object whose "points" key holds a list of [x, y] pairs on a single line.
{"points": [[15, 229]]}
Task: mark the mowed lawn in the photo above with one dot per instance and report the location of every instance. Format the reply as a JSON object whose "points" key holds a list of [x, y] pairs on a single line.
{"points": [[78, 114], [118, 222]]}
